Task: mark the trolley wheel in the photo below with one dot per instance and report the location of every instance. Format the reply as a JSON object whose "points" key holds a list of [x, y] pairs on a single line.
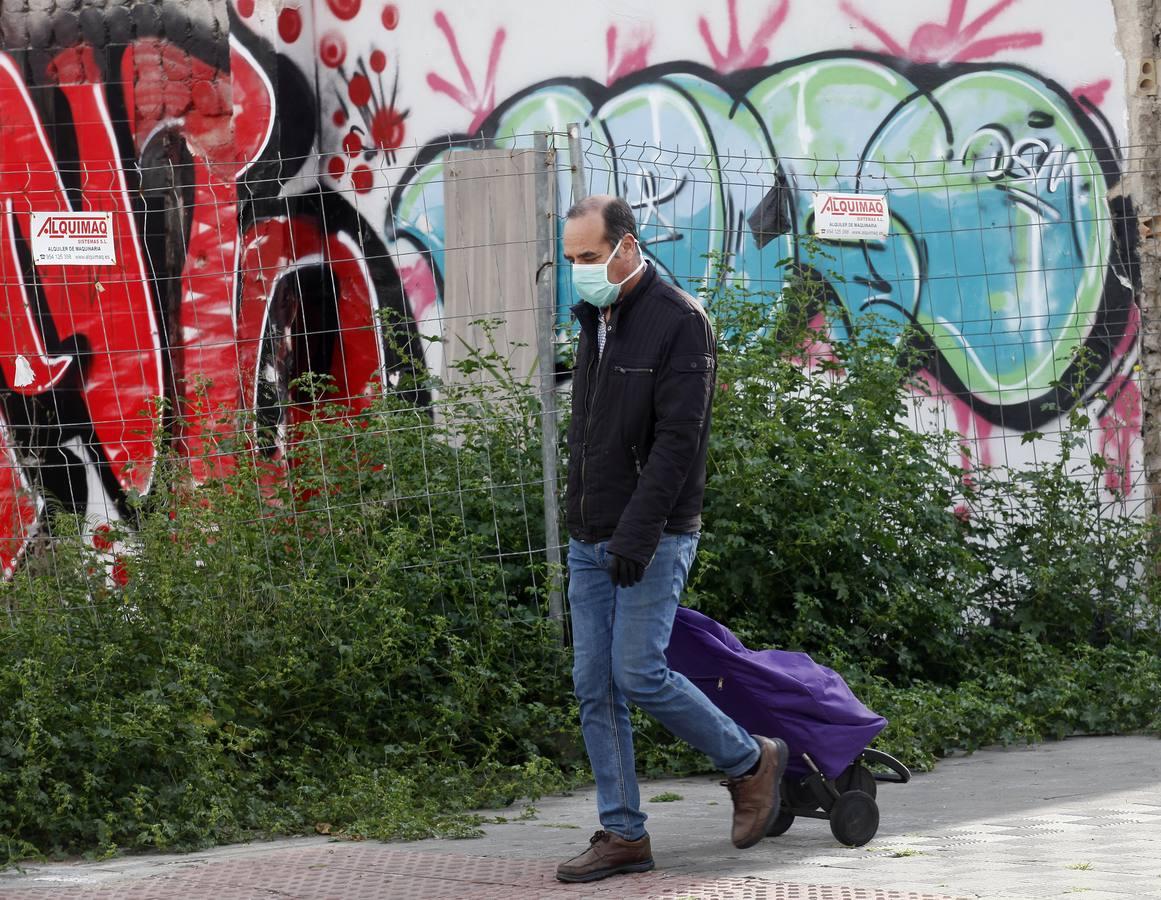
{"points": [[857, 777], [854, 818], [781, 823]]}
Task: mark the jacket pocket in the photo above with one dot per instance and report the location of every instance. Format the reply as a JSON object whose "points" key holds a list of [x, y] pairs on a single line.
{"points": [[634, 366]]}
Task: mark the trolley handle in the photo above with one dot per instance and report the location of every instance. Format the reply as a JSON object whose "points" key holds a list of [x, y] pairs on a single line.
{"points": [[899, 773]]}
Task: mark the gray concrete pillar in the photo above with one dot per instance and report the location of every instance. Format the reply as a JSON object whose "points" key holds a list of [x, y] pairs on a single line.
{"points": [[1139, 39]]}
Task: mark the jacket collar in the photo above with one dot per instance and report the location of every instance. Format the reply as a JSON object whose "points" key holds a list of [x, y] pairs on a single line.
{"points": [[587, 314]]}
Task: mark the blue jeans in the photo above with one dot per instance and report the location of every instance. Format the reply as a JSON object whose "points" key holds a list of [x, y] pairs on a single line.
{"points": [[619, 640]]}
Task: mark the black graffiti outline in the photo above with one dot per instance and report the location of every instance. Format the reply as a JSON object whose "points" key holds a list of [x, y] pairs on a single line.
{"points": [[1078, 384], [650, 200]]}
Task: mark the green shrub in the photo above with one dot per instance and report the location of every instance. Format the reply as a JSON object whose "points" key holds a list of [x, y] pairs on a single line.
{"points": [[358, 639], [828, 519], [354, 639], [834, 527]]}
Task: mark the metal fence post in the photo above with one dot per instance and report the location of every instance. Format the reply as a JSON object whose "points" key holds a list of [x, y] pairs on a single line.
{"points": [[576, 158], [546, 350]]}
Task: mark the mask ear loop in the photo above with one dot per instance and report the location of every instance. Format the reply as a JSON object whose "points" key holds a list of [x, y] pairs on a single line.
{"points": [[613, 255], [640, 252], [616, 250]]}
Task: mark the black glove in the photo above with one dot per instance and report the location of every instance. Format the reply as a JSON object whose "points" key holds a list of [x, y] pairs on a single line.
{"points": [[625, 572]]}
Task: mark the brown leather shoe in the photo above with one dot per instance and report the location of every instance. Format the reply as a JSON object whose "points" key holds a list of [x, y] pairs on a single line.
{"points": [[608, 854], [756, 799]]}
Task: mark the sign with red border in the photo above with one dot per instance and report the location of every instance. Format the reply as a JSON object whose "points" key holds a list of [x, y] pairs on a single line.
{"points": [[851, 217], [73, 239]]}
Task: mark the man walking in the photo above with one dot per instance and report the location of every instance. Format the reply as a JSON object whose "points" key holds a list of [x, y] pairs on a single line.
{"points": [[641, 399]]}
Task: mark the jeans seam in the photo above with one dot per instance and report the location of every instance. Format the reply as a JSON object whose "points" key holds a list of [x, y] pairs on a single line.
{"points": [[617, 745]]}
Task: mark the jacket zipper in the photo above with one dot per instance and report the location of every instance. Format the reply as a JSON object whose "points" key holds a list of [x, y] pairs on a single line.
{"points": [[623, 370], [589, 419], [636, 460]]}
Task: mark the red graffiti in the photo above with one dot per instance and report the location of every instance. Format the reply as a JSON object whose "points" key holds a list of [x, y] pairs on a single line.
{"points": [[345, 9], [332, 49], [19, 508], [167, 88], [290, 24], [108, 307], [387, 129], [359, 89], [385, 122], [97, 326], [272, 251]]}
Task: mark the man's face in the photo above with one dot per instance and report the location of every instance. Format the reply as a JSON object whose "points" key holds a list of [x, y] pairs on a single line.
{"points": [[584, 243]]}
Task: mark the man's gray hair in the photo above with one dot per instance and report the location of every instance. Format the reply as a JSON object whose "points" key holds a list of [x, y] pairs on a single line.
{"points": [[615, 212]]}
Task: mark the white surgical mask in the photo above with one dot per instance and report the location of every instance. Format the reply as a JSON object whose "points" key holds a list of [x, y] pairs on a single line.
{"points": [[591, 280]]}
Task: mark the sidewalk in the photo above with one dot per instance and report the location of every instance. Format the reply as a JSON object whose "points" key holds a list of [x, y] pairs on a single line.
{"points": [[1077, 819]]}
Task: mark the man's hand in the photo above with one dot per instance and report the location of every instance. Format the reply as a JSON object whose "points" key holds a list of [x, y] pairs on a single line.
{"points": [[625, 572]]}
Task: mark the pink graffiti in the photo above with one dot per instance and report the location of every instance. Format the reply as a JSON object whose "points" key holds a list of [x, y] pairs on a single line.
{"points": [[632, 58], [815, 350], [950, 41], [1094, 93], [735, 56], [1120, 425], [926, 385], [419, 287], [479, 102], [975, 429]]}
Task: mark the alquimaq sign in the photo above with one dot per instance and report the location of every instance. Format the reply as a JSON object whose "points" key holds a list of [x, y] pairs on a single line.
{"points": [[73, 239]]}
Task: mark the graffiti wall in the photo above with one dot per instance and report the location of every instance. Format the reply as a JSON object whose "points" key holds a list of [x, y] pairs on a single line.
{"points": [[1011, 244], [274, 171], [236, 271]]}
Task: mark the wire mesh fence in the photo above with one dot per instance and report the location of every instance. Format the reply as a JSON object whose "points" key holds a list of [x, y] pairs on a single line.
{"points": [[337, 364], [278, 510]]}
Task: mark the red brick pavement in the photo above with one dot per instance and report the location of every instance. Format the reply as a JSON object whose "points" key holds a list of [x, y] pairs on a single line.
{"points": [[379, 872]]}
